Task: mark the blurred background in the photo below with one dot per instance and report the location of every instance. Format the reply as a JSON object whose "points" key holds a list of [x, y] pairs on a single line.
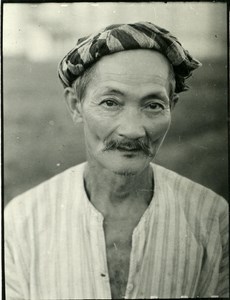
{"points": [[40, 139]]}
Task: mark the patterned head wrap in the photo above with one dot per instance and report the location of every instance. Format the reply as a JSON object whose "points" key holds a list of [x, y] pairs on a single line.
{"points": [[121, 37]]}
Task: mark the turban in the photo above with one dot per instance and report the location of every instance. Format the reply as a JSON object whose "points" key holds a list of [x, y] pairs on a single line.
{"points": [[121, 37]]}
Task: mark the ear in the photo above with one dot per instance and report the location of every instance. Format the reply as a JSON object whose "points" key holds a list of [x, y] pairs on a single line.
{"points": [[173, 101], [73, 104]]}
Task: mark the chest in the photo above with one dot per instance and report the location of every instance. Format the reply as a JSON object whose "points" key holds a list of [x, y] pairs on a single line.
{"points": [[118, 239], [169, 260]]}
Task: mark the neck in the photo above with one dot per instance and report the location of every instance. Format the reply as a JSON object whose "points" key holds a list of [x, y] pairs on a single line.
{"points": [[110, 192]]}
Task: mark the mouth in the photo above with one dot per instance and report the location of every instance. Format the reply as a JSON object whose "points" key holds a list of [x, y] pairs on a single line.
{"points": [[128, 149]]}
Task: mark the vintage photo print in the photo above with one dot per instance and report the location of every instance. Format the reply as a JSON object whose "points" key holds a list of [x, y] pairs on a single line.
{"points": [[115, 150]]}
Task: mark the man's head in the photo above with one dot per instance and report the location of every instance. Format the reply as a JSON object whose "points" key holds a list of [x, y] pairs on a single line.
{"points": [[124, 100], [125, 109]]}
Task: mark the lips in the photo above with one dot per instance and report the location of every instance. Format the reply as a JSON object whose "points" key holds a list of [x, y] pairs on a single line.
{"points": [[127, 148]]}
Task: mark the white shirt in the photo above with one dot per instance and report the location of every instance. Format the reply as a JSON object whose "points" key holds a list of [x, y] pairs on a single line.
{"points": [[55, 245]]}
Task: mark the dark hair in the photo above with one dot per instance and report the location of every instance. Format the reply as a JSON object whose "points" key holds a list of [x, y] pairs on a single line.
{"points": [[172, 83], [80, 84]]}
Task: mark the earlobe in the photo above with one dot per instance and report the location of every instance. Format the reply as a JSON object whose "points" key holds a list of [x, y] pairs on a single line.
{"points": [[73, 104]]}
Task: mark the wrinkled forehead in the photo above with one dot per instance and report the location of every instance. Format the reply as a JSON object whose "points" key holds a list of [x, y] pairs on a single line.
{"points": [[133, 68], [141, 63]]}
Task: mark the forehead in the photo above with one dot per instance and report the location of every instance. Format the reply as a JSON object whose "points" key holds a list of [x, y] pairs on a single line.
{"points": [[135, 68]]}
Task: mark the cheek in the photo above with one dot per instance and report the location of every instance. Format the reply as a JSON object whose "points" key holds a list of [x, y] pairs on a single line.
{"points": [[159, 126], [96, 126]]}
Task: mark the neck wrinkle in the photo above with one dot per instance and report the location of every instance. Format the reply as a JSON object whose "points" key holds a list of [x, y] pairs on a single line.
{"points": [[110, 190]]}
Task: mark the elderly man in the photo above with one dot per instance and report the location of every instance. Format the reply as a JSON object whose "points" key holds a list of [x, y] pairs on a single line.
{"points": [[119, 226]]}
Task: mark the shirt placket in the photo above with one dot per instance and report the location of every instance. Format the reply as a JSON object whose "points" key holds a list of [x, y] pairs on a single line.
{"points": [[134, 266], [103, 290], [104, 273]]}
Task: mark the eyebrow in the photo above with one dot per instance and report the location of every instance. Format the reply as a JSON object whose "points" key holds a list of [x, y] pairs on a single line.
{"points": [[151, 95], [108, 90], [159, 94]]}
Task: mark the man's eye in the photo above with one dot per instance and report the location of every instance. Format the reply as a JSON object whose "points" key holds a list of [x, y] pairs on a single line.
{"points": [[109, 103], [155, 106]]}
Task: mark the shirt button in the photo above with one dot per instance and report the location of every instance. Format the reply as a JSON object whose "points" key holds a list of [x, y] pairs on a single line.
{"points": [[130, 287]]}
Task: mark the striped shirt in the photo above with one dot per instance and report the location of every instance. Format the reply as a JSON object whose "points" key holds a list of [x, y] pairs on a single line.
{"points": [[55, 245]]}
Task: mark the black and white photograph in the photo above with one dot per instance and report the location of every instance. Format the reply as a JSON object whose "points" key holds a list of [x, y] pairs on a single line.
{"points": [[115, 150]]}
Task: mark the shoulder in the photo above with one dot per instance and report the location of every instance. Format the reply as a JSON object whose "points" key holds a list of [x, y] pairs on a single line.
{"points": [[184, 188], [45, 197], [201, 206]]}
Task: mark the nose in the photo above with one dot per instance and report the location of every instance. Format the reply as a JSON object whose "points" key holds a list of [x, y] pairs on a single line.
{"points": [[131, 125]]}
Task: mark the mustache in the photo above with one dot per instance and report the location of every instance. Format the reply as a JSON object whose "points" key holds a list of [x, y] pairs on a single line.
{"points": [[141, 144]]}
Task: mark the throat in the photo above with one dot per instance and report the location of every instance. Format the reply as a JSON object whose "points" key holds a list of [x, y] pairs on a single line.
{"points": [[111, 190]]}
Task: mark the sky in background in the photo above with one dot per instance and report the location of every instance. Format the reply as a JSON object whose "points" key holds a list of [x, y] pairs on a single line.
{"points": [[46, 31]]}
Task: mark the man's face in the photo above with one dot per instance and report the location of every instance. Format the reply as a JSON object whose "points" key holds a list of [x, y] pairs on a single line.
{"points": [[126, 111]]}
